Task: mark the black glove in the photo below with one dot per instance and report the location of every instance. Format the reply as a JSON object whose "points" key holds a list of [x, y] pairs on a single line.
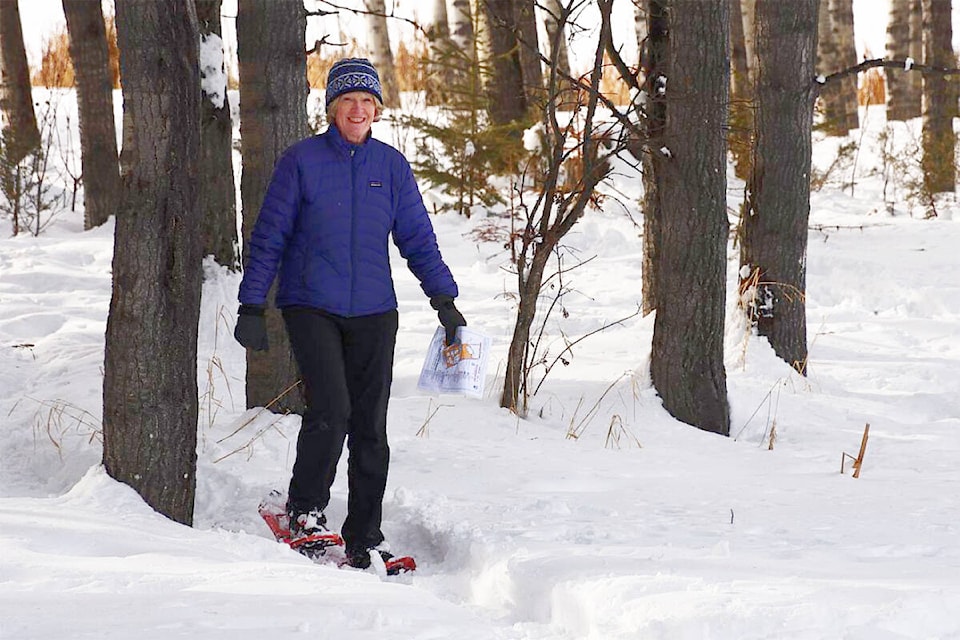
{"points": [[251, 329], [450, 318]]}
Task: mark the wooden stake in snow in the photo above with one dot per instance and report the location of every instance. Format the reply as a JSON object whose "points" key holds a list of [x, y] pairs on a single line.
{"points": [[858, 461]]}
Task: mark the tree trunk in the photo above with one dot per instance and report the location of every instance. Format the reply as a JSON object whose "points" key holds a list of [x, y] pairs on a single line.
{"points": [[273, 115], [505, 90], [440, 75], [218, 200], [98, 132], [687, 358], [939, 100], [841, 17], [21, 135], [773, 246], [748, 10], [531, 71], [380, 53], [835, 48], [150, 364], [656, 59], [741, 95], [461, 25], [904, 88], [555, 23]]}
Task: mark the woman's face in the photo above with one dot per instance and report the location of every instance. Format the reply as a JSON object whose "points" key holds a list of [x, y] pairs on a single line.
{"points": [[354, 116]]}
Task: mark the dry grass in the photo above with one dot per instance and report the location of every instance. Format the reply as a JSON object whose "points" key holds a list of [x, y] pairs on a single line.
{"points": [[56, 66]]}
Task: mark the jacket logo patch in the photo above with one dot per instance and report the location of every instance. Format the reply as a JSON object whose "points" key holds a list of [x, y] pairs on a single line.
{"points": [[376, 183]]}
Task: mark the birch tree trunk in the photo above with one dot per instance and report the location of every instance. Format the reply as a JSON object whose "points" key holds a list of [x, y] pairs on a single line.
{"points": [[531, 71], [380, 53], [440, 71], [839, 99], [271, 49], [461, 25], [841, 17], [218, 200], [686, 363], [150, 363], [773, 247], [20, 132], [939, 100], [98, 132], [555, 22], [904, 88]]}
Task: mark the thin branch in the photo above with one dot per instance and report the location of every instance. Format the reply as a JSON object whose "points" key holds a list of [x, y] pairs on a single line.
{"points": [[905, 65]]}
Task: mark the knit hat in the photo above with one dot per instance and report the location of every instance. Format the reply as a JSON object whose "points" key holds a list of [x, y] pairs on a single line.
{"points": [[352, 74]]}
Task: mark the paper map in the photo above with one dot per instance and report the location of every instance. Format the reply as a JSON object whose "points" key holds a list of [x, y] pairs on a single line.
{"points": [[460, 368]]}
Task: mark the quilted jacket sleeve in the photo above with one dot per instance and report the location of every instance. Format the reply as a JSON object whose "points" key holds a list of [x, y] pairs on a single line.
{"points": [[272, 231], [414, 237]]}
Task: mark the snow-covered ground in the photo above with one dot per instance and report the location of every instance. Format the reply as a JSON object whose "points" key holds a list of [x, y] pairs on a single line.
{"points": [[639, 527]]}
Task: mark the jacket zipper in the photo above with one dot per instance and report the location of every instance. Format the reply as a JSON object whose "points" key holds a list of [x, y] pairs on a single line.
{"points": [[353, 226]]}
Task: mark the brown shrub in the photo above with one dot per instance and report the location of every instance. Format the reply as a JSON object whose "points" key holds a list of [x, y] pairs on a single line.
{"points": [[56, 66]]}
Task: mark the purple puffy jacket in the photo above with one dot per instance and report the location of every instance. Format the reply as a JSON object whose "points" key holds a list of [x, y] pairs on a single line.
{"points": [[324, 224]]}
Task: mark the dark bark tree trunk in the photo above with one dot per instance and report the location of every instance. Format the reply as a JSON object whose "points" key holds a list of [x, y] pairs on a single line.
{"points": [[98, 131], [687, 358], [218, 200], [21, 135], [904, 89], [505, 90], [939, 100], [150, 364], [656, 59], [741, 95], [273, 115], [773, 246]]}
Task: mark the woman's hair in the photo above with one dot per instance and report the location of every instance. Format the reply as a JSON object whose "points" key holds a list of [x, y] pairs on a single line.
{"points": [[332, 109]]}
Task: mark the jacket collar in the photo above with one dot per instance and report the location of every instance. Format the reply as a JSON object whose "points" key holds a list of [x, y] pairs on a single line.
{"points": [[343, 145]]}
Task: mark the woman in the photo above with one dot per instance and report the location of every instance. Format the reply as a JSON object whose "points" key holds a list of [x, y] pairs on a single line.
{"points": [[333, 201]]}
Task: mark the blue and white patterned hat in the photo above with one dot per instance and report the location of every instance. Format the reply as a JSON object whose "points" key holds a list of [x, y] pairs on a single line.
{"points": [[352, 74]]}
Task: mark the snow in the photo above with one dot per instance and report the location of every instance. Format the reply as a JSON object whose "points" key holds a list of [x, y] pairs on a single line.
{"points": [[213, 75], [598, 517]]}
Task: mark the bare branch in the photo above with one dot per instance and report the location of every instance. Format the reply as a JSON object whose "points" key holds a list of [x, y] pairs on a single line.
{"points": [[905, 65]]}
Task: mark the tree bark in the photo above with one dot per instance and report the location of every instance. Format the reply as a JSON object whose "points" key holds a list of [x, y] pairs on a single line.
{"points": [[504, 85], [381, 54], [836, 51], [656, 59], [440, 76], [218, 199], [904, 40], [555, 23], [687, 358], [98, 132], [461, 25], [21, 135], [150, 363], [740, 138], [531, 71], [773, 246], [273, 115], [939, 100]]}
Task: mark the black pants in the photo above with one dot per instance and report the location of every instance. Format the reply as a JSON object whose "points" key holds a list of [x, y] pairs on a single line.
{"points": [[347, 368]]}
